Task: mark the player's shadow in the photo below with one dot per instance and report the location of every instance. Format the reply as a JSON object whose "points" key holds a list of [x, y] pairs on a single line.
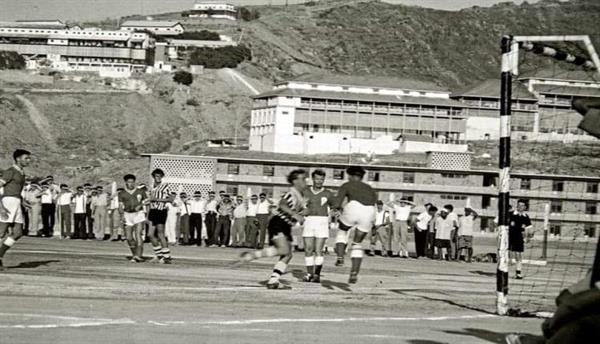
{"points": [[33, 265], [424, 341], [493, 337], [483, 273], [450, 302], [331, 285]]}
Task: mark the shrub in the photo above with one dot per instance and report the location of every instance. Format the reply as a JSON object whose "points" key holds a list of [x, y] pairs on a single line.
{"points": [[11, 60], [183, 77], [225, 57], [249, 15], [203, 35]]}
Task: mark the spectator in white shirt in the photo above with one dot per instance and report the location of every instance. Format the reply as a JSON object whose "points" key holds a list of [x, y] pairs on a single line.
{"points": [[173, 211], [444, 226], [240, 213], [465, 234], [211, 218], [32, 197], [48, 210], [197, 207], [99, 207], [65, 197], [381, 231], [79, 214], [453, 237], [262, 215], [114, 215], [399, 237], [184, 218], [252, 223], [421, 229]]}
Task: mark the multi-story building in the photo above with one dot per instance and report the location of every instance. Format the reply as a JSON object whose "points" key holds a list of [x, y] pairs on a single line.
{"points": [[319, 114], [157, 27], [572, 200], [541, 106], [213, 9], [112, 53]]}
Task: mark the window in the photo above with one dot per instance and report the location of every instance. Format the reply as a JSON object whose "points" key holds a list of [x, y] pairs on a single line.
{"points": [[592, 187], [525, 184], [268, 170], [591, 208], [589, 230], [558, 185], [556, 206], [453, 197], [285, 112], [233, 168], [408, 177], [555, 228], [373, 176], [232, 190], [338, 174], [453, 175]]}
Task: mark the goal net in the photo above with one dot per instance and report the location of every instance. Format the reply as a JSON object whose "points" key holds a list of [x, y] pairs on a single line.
{"points": [[552, 166]]}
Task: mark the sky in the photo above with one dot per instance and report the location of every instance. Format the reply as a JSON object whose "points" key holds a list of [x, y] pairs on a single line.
{"points": [[100, 9]]}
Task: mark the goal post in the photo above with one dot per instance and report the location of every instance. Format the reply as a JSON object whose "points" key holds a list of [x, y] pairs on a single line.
{"points": [[510, 46]]}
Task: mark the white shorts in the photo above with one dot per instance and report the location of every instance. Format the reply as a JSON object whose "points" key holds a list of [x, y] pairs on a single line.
{"points": [[132, 219], [356, 214], [14, 209], [316, 227]]}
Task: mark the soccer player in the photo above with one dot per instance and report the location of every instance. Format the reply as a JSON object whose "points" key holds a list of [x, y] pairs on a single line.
{"points": [[131, 204], [160, 195], [465, 234], [11, 210], [316, 225], [289, 212], [519, 223], [359, 212]]}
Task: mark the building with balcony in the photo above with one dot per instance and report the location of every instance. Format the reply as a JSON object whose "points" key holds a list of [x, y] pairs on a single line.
{"points": [[320, 114], [213, 9], [572, 200], [541, 106], [157, 27], [111, 53]]}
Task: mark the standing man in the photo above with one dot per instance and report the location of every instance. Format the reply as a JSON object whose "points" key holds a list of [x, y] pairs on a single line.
{"points": [[210, 219], [225, 210], [252, 223], [421, 229], [454, 234], [184, 218], [131, 201], [89, 217], [262, 215], [316, 225], [444, 226], [114, 214], [239, 222], [381, 231], [519, 223], [160, 195], [11, 210], [465, 234], [173, 211], [358, 213], [48, 209], [99, 211], [399, 240], [65, 198], [80, 213], [34, 206], [197, 207]]}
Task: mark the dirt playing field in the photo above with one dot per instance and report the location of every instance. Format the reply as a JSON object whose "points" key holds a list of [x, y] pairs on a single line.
{"points": [[62, 291]]}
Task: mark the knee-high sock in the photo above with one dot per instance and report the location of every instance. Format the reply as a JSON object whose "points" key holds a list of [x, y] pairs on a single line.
{"points": [[519, 266], [279, 269], [133, 249], [310, 264], [341, 240], [166, 253], [139, 249], [357, 256], [319, 264], [6, 245], [158, 251]]}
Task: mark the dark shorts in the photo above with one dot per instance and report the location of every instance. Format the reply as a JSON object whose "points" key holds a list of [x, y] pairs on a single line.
{"points": [[157, 217], [465, 241], [442, 243], [278, 225], [516, 243]]}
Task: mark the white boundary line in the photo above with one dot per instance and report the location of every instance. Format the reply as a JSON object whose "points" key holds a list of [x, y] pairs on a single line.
{"points": [[69, 321]]}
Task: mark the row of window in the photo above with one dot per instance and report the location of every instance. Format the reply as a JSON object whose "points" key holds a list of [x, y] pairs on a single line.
{"points": [[591, 208], [589, 229], [559, 186], [453, 197], [72, 32], [269, 171]]}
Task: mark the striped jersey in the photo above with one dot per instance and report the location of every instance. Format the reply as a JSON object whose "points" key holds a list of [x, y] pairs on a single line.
{"points": [[295, 201], [160, 191]]}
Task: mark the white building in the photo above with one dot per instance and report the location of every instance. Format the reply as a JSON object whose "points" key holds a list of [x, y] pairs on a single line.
{"points": [[342, 114], [214, 9], [157, 27]]}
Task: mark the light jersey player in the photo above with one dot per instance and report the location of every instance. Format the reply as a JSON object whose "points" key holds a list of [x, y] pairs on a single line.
{"points": [[316, 225], [359, 212], [289, 212]]}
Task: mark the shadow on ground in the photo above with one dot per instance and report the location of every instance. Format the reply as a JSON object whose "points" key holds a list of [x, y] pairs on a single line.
{"points": [[495, 337], [450, 302], [33, 265]]}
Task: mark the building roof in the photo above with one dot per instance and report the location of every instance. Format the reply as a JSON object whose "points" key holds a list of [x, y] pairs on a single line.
{"points": [[490, 88], [290, 92], [369, 81], [150, 23], [35, 25], [562, 75], [568, 90]]}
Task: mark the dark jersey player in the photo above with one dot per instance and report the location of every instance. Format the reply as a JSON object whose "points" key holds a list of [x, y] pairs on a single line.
{"points": [[11, 203], [289, 213], [519, 224], [359, 213]]}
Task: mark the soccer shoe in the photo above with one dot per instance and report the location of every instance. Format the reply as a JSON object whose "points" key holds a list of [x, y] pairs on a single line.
{"points": [[316, 279], [370, 253], [273, 283], [519, 277], [339, 261], [165, 261], [155, 259], [307, 278], [1, 266], [353, 278]]}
